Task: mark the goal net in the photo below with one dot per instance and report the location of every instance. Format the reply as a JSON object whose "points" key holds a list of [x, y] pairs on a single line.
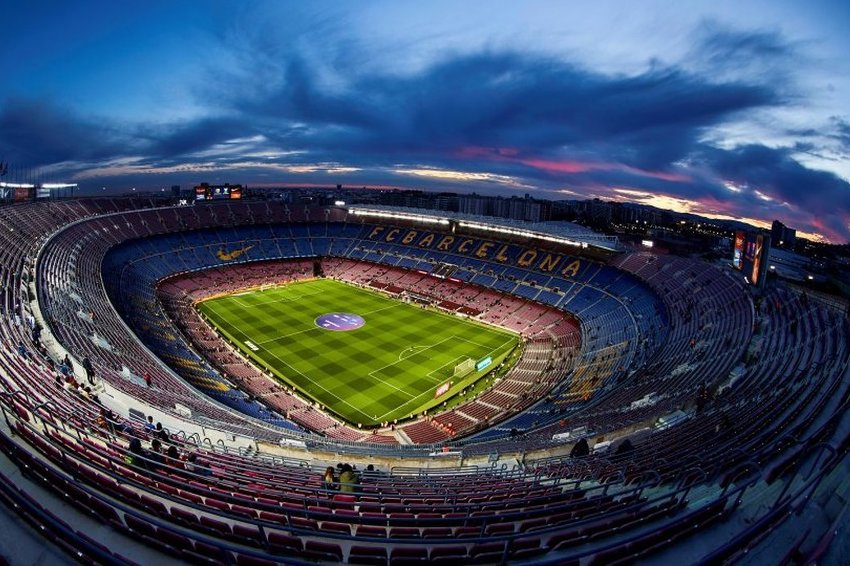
{"points": [[464, 367]]}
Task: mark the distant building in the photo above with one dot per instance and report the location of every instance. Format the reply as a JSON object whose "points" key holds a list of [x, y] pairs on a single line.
{"points": [[782, 236], [474, 204], [516, 208]]}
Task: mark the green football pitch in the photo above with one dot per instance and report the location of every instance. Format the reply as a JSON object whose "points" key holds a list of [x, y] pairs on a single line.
{"points": [[388, 368]]}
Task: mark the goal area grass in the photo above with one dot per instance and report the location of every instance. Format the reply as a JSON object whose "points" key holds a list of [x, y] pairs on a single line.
{"points": [[367, 357]]}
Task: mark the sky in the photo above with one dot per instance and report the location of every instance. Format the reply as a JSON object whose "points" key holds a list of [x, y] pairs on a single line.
{"points": [[728, 109]]}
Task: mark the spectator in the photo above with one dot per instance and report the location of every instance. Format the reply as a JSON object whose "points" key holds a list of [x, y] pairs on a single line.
{"points": [[114, 421], [197, 466], [136, 454], [161, 433], [89, 369], [329, 480], [104, 420], [147, 378], [100, 421], [172, 458], [67, 362], [348, 480], [22, 350], [149, 426], [155, 458]]}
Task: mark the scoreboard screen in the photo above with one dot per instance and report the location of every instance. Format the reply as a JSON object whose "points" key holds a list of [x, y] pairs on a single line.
{"points": [[738, 254], [757, 259], [218, 192], [749, 255]]}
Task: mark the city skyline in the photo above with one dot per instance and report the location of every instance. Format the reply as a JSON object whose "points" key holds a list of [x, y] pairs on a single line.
{"points": [[717, 109]]}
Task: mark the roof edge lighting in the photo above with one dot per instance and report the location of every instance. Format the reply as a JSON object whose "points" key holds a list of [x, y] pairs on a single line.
{"points": [[59, 186], [399, 216], [601, 242], [521, 233], [17, 185]]}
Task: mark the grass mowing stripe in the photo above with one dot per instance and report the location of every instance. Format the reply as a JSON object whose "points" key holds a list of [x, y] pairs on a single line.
{"points": [[387, 369]]}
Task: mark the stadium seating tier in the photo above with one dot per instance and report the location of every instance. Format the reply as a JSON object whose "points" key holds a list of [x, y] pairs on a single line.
{"points": [[734, 411]]}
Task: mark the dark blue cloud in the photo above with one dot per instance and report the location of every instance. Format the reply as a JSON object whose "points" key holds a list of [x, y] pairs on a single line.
{"points": [[533, 103], [175, 140], [776, 173], [38, 132], [499, 112]]}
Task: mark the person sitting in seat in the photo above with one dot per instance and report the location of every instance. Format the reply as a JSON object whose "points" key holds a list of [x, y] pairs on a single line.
{"points": [[172, 458], [136, 454], [155, 457], [329, 480], [348, 479], [197, 466], [161, 433]]}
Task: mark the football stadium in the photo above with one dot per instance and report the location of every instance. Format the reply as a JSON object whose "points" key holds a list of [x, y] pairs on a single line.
{"points": [[252, 382]]}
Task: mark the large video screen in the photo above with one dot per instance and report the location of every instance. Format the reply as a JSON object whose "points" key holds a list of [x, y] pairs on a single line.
{"points": [[757, 258], [218, 192], [738, 254], [750, 255]]}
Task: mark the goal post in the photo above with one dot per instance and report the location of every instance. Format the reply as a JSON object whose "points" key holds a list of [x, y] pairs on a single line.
{"points": [[464, 368]]}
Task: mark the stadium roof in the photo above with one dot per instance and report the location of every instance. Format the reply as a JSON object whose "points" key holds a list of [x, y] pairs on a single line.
{"points": [[561, 232]]}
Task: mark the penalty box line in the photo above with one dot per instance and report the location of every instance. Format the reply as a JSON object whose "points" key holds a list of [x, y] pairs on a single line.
{"points": [[430, 390], [431, 373], [461, 358], [320, 386], [425, 348]]}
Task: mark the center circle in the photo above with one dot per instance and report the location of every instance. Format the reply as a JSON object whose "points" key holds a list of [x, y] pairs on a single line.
{"points": [[340, 321]]}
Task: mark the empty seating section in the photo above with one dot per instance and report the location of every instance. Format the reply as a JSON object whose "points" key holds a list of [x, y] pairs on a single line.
{"points": [[708, 321], [756, 387]]}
